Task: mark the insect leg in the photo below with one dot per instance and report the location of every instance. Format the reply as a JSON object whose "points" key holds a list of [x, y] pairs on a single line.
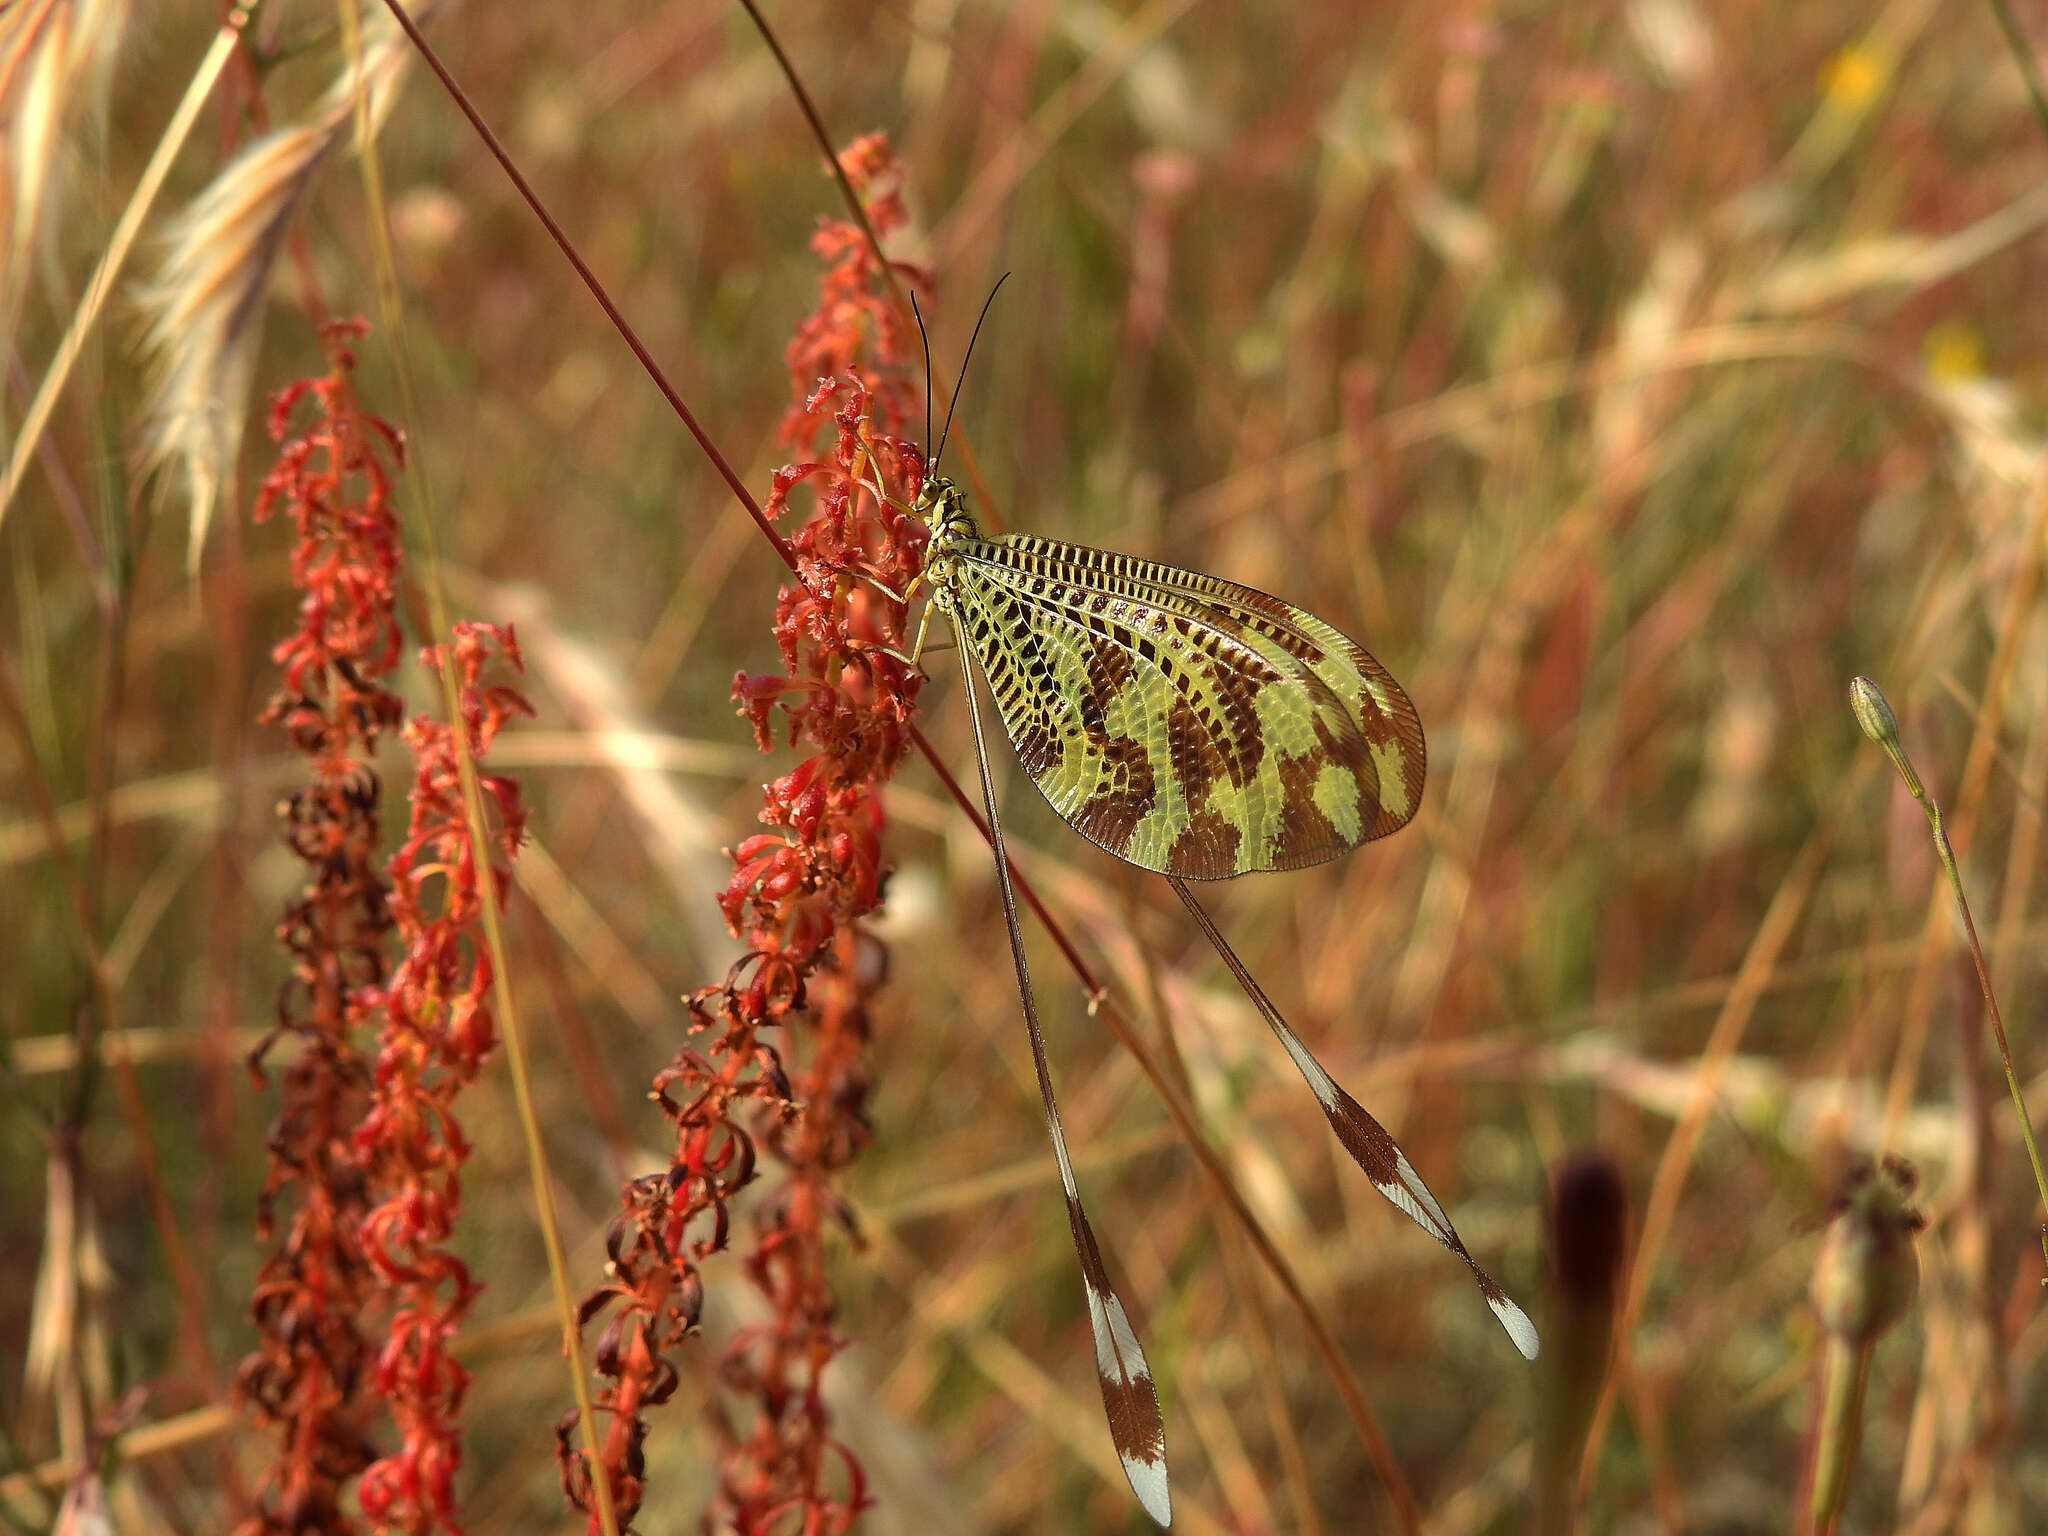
{"points": [[1365, 1138], [890, 592], [924, 624], [874, 486], [1127, 1392]]}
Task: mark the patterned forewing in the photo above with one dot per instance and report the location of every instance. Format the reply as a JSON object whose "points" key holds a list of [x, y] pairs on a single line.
{"points": [[1186, 724]]}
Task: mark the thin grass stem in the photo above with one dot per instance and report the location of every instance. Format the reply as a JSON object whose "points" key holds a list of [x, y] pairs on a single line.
{"points": [[1661, 1208], [390, 301], [2023, 56], [1874, 714], [590, 280], [970, 465], [101, 1016]]}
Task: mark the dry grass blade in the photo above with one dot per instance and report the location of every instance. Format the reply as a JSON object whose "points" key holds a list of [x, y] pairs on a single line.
{"points": [[50, 52], [49, 1383], [65, 1368], [362, 117], [1661, 1208], [119, 245], [1017, 157], [1804, 285], [203, 307]]}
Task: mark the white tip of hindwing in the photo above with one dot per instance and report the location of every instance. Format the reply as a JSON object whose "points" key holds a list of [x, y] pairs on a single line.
{"points": [[1128, 1397], [1517, 1323], [1130, 1401]]}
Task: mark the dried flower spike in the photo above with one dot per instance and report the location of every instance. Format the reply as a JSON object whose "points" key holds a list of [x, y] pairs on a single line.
{"points": [[1587, 1231], [308, 1377], [798, 897], [436, 1032]]}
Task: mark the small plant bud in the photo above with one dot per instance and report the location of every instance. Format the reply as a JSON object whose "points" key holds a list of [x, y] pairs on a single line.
{"points": [[1868, 1271], [1874, 713]]}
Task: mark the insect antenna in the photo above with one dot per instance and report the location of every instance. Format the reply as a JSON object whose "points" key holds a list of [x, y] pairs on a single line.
{"points": [[918, 315], [947, 430]]}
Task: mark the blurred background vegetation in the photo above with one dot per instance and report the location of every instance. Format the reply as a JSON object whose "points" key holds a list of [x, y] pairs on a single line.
{"points": [[1627, 377]]}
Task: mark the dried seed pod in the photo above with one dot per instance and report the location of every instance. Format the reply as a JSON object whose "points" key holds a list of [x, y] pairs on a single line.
{"points": [[1868, 1272], [1863, 1282]]}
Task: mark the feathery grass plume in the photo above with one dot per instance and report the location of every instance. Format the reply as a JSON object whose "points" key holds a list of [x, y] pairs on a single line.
{"points": [[797, 897], [436, 1032], [1863, 1282], [49, 51], [203, 308], [307, 1376]]}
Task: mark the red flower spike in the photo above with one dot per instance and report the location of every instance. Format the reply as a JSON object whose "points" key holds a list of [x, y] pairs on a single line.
{"points": [[797, 898], [308, 1379], [437, 1030]]}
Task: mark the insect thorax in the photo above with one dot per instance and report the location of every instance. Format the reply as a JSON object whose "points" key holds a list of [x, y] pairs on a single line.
{"points": [[943, 506]]}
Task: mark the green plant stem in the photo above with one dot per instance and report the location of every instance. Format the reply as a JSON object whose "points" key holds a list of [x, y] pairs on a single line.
{"points": [[1874, 713], [2023, 55], [1845, 1372], [2012, 1081]]}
